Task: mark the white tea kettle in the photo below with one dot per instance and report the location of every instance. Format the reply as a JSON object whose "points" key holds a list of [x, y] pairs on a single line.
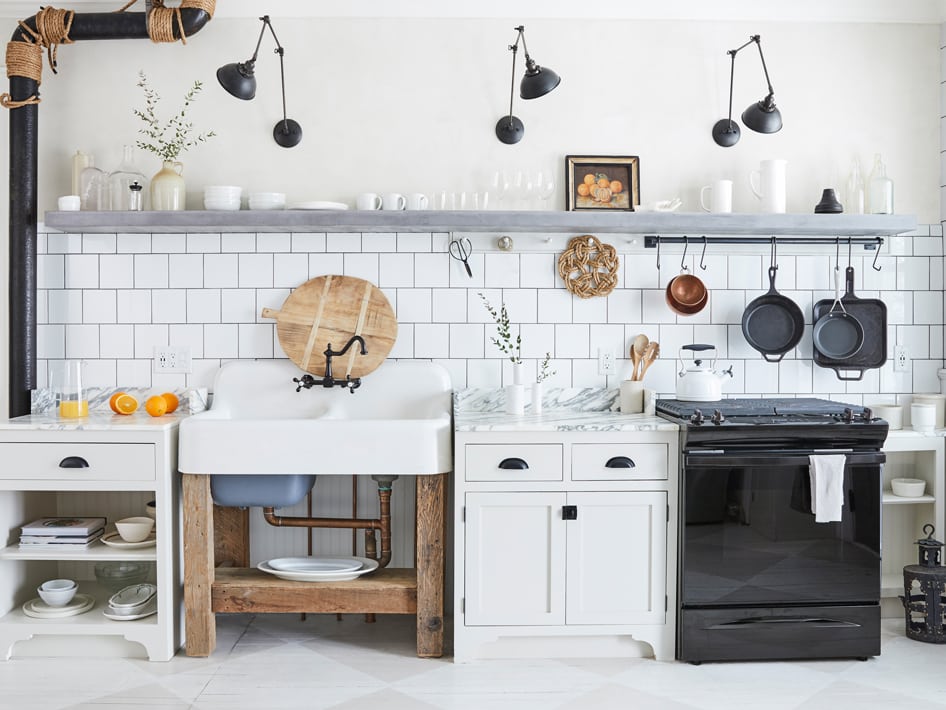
{"points": [[697, 383]]}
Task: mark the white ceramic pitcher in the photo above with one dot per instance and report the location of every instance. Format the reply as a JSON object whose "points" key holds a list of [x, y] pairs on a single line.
{"points": [[768, 184]]}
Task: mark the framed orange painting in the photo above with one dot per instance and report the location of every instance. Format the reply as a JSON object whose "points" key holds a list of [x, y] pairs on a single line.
{"points": [[602, 182]]}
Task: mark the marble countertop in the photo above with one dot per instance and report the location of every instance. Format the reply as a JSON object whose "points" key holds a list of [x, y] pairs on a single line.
{"points": [[563, 409], [97, 420]]}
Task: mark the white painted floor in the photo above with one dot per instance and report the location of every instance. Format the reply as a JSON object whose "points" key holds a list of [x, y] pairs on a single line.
{"points": [[277, 662]]}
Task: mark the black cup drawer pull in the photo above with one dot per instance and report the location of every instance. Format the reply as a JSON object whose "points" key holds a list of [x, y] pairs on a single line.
{"points": [[73, 462], [620, 462], [514, 463]]}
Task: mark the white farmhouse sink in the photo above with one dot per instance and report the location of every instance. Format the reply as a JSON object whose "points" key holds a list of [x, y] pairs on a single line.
{"points": [[397, 423]]}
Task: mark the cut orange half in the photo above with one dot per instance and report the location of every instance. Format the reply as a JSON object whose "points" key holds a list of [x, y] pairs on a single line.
{"points": [[125, 404], [111, 402], [172, 401]]}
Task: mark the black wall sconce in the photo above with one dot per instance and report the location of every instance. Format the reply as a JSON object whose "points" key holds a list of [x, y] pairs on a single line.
{"points": [[762, 116], [537, 81], [240, 80]]}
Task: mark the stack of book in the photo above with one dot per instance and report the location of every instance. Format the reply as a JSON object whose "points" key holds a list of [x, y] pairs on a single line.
{"points": [[64, 533]]}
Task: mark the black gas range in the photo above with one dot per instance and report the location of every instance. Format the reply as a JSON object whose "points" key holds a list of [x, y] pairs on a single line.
{"points": [[803, 422], [758, 576]]}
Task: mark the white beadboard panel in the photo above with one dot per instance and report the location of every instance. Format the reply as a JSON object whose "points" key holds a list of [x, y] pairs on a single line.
{"points": [[99, 243], [185, 270], [118, 271], [432, 269], [65, 306], [448, 305], [203, 243], [100, 307], [133, 243], [82, 271], [414, 305], [307, 241], [273, 242], [362, 266]]}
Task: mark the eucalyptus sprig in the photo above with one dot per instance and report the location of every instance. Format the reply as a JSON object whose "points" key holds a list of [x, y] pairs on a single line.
{"points": [[168, 140], [505, 343], [544, 370]]}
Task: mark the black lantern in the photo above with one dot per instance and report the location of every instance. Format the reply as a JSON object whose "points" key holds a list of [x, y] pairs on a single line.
{"points": [[924, 599]]}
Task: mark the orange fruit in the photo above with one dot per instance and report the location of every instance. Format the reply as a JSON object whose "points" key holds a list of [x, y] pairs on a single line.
{"points": [[125, 404], [171, 400], [584, 190], [111, 401], [616, 186], [156, 406], [603, 182], [589, 179]]}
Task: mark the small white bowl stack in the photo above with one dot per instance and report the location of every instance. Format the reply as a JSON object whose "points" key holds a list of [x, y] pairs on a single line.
{"points": [[267, 201], [222, 197]]}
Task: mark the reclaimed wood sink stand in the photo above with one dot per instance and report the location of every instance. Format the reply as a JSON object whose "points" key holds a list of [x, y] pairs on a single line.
{"points": [[209, 589]]}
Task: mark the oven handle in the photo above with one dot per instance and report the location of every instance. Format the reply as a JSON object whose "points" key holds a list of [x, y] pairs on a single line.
{"points": [[760, 623], [723, 459]]}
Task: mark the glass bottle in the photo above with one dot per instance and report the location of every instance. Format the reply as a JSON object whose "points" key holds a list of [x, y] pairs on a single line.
{"points": [[880, 191], [854, 199], [80, 161], [121, 179], [93, 189]]}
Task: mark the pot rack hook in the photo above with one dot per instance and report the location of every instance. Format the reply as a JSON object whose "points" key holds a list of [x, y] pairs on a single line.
{"points": [[773, 262], [849, 240], [658, 253], [683, 257], [837, 253], [875, 266], [703, 254]]}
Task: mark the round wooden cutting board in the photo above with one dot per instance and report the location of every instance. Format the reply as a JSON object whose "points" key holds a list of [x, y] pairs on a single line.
{"points": [[330, 310]]}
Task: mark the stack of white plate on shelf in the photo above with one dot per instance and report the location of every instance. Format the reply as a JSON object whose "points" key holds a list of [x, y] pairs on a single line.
{"points": [[318, 569], [222, 197], [267, 201], [135, 601], [38, 609]]}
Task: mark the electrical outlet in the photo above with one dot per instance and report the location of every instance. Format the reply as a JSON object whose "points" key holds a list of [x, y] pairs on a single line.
{"points": [[172, 358], [606, 364], [901, 361]]}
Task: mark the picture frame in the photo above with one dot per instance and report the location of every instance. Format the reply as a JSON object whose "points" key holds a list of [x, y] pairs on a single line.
{"points": [[584, 194]]}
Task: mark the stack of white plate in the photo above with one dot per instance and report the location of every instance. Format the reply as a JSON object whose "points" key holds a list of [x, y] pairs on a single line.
{"points": [[222, 197], [318, 569], [38, 609], [135, 601], [267, 201]]}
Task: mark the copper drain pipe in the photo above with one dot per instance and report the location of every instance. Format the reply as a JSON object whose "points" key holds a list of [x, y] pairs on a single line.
{"points": [[383, 523]]}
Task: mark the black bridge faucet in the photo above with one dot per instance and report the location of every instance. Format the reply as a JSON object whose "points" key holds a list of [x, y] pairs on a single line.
{"points": [[308, 381]]}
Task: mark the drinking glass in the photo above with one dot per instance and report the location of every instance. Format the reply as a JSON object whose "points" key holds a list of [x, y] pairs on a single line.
{"points": [[500, 186], [544, 188]]}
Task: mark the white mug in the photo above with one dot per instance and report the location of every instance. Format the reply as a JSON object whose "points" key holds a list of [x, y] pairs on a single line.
{"points": [[771, 185], [69, 203], [393, 201], [368, 201], [720, 200], [417, 201]]}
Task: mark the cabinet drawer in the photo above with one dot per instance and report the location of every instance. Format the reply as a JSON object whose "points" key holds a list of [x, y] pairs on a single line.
{"points": [[619, 462], [105, 462], [513, 462]]}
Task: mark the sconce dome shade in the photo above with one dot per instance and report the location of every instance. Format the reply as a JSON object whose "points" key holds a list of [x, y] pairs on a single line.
{"points": [[726, 132], [763, 116], [238, 79], [509, 130], [538, 82]]}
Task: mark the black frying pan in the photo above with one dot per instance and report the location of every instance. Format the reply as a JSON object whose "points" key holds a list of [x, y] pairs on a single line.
{"points": [[772, 323], [837, 334]]}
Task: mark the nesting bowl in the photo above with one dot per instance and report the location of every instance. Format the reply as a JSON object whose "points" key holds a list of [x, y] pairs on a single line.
{"points": [[57, 592], [134, 529], [267, 201], [908, 487], [222, 197]]}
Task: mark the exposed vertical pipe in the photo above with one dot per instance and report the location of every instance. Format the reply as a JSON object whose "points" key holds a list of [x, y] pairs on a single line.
{"points": [[24, 137]]}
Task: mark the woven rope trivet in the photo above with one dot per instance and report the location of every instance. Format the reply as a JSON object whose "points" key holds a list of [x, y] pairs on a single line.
{"points": [[588, 267]]}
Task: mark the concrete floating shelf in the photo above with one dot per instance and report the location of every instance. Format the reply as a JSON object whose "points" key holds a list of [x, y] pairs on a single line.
{"points": [[642, 223]]}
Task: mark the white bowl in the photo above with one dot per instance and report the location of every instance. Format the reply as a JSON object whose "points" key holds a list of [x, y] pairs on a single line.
{"points": [[57, 592], [223, 190], [134, 529], [908, 487], [231, 205]]}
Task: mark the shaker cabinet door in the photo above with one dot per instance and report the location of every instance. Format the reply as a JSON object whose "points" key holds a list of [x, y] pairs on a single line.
{"points": [[617, 564], [515, 559]]}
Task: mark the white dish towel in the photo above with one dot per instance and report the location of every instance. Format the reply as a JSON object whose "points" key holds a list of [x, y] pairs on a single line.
{"points": [[827, 486]]}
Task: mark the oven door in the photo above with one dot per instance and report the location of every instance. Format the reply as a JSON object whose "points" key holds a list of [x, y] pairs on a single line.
{"points": [[749, 538]]}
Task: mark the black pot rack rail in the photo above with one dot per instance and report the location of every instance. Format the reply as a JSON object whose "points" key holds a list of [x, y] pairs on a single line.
{"points": [[652, 241]]}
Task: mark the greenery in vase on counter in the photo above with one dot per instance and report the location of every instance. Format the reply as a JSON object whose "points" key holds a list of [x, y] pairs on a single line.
{"points": [[168, 139], [505, 342], [545, 370]]}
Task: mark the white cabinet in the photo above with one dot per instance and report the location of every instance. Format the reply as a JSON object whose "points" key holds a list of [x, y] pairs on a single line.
{"points": [[565, 537], [123, 462], [909, 455]]}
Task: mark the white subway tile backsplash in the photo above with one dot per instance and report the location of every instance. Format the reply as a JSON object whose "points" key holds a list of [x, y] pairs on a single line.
{"points": [[112, 297]]}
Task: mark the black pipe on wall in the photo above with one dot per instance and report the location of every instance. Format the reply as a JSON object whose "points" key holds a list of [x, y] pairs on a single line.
{"points": [[24, 137]]}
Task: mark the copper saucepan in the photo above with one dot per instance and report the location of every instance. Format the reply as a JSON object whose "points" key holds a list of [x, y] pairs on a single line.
{"points": [[686, 294]]}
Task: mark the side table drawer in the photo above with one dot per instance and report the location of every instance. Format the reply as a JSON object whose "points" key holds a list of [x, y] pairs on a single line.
{"points": [[103, 462], [513, 462], [619, 462]]}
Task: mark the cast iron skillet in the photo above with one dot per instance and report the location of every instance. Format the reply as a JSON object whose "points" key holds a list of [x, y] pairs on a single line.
{"points": [[772, 323], [838, 334]]}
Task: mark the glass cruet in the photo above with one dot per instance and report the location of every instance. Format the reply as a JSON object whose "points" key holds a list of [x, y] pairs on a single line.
{"points": [[122, 178]]}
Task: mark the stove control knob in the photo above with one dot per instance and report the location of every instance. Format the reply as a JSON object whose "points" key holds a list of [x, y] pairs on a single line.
{"points": [[868, 414], [696, 417], [848, 415], [718, 417]]}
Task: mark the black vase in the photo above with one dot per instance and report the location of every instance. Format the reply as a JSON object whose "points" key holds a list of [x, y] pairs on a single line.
{"points": [[829, 203]]}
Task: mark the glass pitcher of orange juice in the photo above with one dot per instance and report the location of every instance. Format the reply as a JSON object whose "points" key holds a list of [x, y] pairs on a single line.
{"points": [[70, 391]]}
